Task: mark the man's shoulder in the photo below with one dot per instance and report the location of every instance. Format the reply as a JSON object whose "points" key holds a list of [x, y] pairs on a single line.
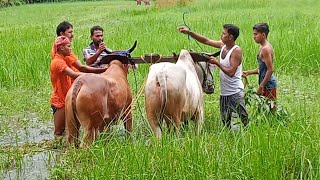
{"points": [[71, 57], [237, 50], [236, 53], [89, 48], [57, 64], [266, 49]]}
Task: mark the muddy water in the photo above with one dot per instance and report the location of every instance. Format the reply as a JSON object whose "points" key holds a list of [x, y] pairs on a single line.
{"points": [[36, 165], [33, 167], [29, 135], [32, 132]]}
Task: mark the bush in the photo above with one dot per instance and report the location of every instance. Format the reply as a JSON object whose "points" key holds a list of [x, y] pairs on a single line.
{"points": [[169, 3], [8, 3]]}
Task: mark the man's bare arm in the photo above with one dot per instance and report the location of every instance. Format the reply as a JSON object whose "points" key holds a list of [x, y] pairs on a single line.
{"points": [[235, 61], [69, 72], [200, 38], [249, 72], [91, 59], [88, 69]]}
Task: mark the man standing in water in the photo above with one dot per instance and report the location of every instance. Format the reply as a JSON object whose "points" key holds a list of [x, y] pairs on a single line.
{"points": [[64, 69]]}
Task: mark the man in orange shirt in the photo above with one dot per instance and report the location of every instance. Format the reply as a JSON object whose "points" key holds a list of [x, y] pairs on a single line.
{"points": [[66, 29], [60, 74], [65, 67], [63, 70]]}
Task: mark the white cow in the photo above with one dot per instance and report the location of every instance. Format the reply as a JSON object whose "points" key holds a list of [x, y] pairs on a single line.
{"points": [[173, 92]]}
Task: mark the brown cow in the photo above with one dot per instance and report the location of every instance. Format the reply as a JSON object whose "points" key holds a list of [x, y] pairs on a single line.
{"points": [[146, 2], [95, 101]]}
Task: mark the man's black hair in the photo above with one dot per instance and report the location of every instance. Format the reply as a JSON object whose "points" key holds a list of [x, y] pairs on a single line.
{"points": [[95, 28], [63, 26], [232, 29], [262, 28]]}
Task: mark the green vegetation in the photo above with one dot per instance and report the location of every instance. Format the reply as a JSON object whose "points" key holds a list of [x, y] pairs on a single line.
{"points": [[284, 146]]}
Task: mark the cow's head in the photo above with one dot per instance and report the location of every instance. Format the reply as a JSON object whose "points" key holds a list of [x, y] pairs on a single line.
{"points": [[122, 55], [203, 69], [205, 74]]}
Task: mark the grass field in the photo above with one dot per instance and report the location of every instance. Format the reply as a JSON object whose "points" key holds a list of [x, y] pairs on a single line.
{"points": [[285, 146]]}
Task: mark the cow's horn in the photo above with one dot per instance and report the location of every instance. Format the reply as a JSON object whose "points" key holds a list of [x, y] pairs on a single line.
{"points": [[107, 51], [133, 47]]}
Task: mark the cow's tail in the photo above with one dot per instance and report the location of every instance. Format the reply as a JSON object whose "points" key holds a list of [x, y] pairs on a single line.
{"points": [[163, 93], [72, 120], [76, 88]]}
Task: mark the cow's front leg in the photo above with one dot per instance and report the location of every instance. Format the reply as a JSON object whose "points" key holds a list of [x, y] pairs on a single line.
{"points": [[198, 119], [127, 121]]}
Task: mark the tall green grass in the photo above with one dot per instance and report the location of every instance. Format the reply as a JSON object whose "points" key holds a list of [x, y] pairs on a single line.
{"points": [[268, 149], [293, 32]]}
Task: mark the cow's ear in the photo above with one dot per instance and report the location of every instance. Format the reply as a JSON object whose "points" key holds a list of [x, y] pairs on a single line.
{"points": [[126, 67]]}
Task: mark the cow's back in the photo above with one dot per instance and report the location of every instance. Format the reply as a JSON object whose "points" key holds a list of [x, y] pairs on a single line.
{"points": [[174, 92], [193, 85], [100, 97], [175, 76]]}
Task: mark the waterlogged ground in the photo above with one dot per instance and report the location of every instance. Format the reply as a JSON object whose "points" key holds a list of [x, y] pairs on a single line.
{"points": [[32, 167], [26, 144], [28, 151], [29, 148], [33, 131]]}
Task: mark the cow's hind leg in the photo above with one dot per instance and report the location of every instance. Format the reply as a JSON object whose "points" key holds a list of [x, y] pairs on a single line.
{"points": [[154, 123], [72, 129], [153, 114], [173, 122], [89, 134], [177, 122]]}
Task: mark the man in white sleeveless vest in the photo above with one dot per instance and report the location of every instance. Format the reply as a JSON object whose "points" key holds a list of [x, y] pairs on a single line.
{"points": [[230, 64]]}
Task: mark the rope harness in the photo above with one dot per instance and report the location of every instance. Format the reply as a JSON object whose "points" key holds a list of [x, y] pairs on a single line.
{"points": [[207, 84]]}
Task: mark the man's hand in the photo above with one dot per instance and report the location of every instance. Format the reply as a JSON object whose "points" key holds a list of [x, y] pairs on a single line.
{"points": [[213, 60], [260, 90], [183, 29], [245, 74], [102, 47]]}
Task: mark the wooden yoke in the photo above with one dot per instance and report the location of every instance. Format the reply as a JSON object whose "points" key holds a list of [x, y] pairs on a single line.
{"points": [[156, 58]]}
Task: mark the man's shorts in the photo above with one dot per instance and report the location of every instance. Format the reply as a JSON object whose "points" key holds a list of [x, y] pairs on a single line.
{"points": [[270, 94], [233, 103], [54, 109]]}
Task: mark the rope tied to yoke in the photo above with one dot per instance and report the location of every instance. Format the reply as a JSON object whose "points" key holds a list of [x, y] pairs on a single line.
{"points": [[140, 91]]}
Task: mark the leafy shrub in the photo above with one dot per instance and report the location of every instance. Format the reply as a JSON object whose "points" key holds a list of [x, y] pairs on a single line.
{"points": [[262, 107], [8, 3], [170, 3]]}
